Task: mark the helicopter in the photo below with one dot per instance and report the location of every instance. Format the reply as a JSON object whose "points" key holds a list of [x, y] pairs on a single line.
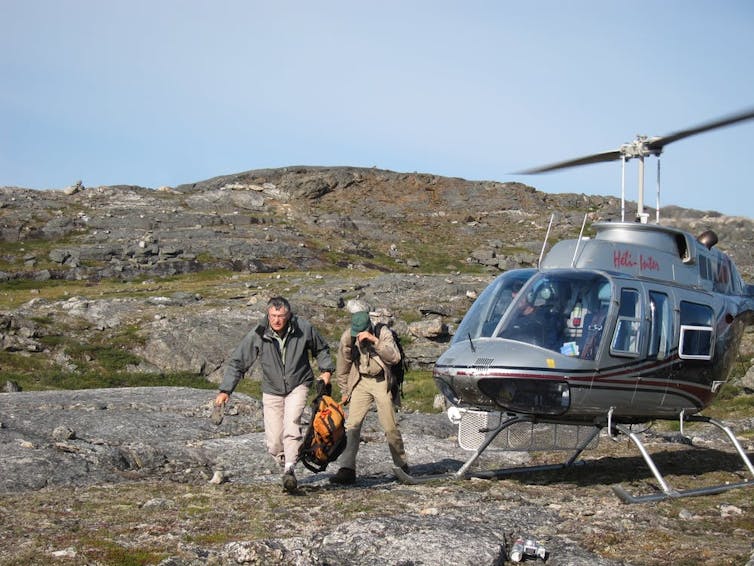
{"points": [[638, 323]]}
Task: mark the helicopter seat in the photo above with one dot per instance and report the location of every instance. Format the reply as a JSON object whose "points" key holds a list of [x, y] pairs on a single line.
{"points": [[594, 325], [575, 322]]}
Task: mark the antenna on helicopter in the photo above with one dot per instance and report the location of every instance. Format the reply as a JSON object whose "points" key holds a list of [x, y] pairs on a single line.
{"points": [[639, 148], [547, 235]]}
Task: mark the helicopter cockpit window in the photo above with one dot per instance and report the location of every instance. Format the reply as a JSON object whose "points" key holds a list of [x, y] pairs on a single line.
{"points": [[697, 333], [557, 311], [626, 338], [484, 315]]}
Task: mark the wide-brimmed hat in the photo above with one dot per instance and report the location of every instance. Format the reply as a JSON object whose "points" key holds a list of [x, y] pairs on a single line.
{"points": [[359, 322]]}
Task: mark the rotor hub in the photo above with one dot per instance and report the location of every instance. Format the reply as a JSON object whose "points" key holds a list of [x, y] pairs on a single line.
{"points": [[640, 147]]}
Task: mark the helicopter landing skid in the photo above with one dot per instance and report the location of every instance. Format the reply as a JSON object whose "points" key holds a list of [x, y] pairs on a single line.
{"points": [[463, 473], [669, 492]]}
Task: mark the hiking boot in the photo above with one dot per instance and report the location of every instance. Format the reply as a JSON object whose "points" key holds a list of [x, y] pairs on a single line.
{"points": [[289, 482], [344, 476], [406, 469]]}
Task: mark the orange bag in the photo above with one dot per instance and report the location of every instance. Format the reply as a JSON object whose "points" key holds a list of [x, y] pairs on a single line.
{"points": [[325, 437]]}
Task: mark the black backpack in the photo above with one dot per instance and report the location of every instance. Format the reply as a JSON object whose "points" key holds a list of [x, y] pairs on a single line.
{"points": [[399, 369]]}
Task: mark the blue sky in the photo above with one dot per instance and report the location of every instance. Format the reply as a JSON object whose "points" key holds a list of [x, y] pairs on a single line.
{"points": [[164, 92]]}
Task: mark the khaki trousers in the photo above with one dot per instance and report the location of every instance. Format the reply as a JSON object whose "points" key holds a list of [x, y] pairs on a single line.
{"points": [[368, 390], [282, 423]]}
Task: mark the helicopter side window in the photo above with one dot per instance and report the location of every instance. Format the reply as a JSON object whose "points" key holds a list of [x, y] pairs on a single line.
{"points": [[697, 333], [626, 338], [661, 325]]}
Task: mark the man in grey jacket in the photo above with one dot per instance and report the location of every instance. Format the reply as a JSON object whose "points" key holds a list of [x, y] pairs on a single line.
{"points": [[282, 342]]}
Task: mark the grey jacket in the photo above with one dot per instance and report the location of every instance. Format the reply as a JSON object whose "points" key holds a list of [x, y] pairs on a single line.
{"points": [[278, 378]]}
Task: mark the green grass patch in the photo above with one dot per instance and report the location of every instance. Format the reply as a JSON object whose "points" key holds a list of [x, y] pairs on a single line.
{"points": [[108, 552], [109, 358], [250, 387], [128, 337], [14, 364], [734, 405], [419, 391], [209, 283], [49, 380]]}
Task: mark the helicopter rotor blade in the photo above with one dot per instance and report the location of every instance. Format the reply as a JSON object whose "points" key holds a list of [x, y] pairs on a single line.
{"points": [[659, 143], [595, 158], [643, 146]]}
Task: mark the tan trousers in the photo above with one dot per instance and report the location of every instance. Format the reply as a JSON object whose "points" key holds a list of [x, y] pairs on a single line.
{"points": [[282, 424], [366, 391]]}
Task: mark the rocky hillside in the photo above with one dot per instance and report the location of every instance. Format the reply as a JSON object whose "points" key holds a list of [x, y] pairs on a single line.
{"points": [[130, 279], [305, 218], [419, 245]]}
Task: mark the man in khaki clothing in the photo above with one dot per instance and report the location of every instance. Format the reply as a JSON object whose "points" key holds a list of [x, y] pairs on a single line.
{"points": [[363, 371]]}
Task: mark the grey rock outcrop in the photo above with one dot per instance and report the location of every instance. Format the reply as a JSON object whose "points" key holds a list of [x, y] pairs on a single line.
{"points": [[61, 439], [78, 438], [184, 332], [109, 435]]}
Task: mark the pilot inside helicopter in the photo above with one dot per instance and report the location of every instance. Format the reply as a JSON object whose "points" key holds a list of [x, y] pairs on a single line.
{"points": [[538, 318], [563, 312]]}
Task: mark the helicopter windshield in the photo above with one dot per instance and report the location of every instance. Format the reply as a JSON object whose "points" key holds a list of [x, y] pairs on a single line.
{"points": [[484, 315], [561, 311]]}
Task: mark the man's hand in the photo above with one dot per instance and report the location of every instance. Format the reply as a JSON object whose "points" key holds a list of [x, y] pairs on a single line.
{"points": [[366, 335], [325, 376], [221, 398]]}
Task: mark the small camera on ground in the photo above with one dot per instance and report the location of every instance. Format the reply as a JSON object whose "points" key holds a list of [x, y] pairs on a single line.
{"points": [[527, 548]]}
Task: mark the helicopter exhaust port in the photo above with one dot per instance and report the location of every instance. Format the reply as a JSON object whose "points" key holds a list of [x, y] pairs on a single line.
{"points": [[529, 396]]}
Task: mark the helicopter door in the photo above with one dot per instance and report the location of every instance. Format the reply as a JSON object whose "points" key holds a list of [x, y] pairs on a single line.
{"points": [[660, 326], [661, 334], [627, 335]]}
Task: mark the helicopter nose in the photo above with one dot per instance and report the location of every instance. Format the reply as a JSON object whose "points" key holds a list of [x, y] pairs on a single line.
{"points": [[540, 396]]}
